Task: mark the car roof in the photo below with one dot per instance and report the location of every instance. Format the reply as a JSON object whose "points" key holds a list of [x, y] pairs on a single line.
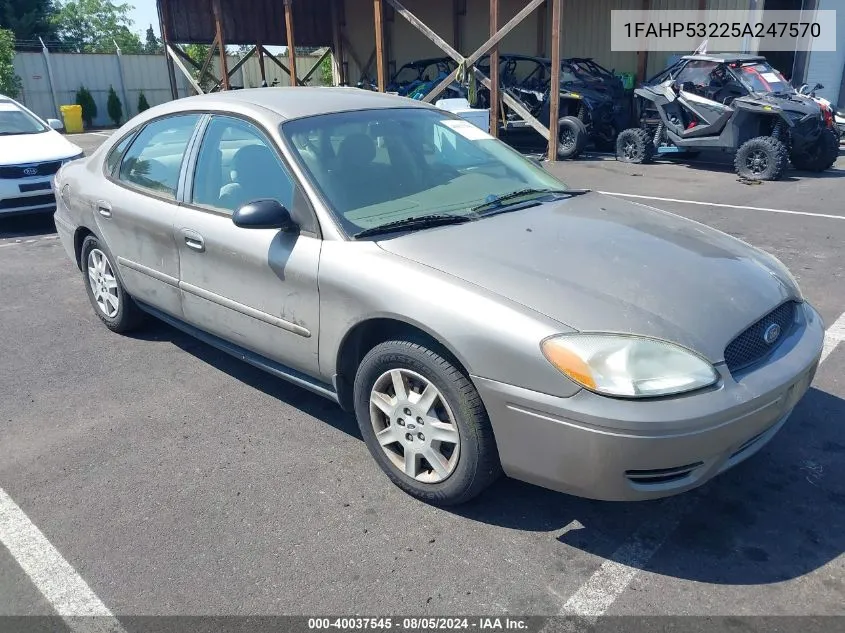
{"points": [[292, 102], [726, 57]]}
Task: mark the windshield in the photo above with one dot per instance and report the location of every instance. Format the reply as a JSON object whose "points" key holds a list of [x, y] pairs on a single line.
{"points": [[761, 77], [375, 167], [13, 120]]}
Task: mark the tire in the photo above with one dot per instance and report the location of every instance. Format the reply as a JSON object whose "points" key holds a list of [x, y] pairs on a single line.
{"points": [[572, 137], [761, 158], [468, 465], [120, 313], [634, 145], [821, 156]]}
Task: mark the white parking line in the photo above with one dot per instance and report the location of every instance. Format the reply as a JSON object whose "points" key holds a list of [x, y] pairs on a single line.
{"points": [[601, 590], [63, 588], [20, 241], [726, 206]]}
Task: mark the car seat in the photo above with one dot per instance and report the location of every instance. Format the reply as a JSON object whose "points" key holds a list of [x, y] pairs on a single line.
{"points": [[256, 176]]}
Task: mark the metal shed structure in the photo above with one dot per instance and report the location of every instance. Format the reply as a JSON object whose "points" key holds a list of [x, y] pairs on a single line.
{"points": [[371, 38]]}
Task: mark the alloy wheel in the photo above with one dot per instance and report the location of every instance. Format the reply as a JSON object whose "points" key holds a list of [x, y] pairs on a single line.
{"points": [[630, 151], [103, 283], [757, 162], [414, 425]]}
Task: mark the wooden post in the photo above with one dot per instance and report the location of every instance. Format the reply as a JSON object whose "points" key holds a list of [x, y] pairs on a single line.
{"points": [[378, 11], [163, 18], [221, 43], [554, 93], [642, 56], [260, 50], [494, 70], [291, 43], [337, 46]]}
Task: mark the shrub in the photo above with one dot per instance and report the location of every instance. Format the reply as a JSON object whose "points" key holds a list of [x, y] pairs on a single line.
{"points": [[10, 83], [89, 107], [114, 106], [142, 103]]}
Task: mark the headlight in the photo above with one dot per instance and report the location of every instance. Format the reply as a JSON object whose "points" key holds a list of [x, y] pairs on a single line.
{"points": [[77, 157], [628, 366]]}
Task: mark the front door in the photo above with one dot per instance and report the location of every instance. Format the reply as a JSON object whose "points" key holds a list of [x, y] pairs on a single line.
{"points": [[256, 288], [136, 206]]}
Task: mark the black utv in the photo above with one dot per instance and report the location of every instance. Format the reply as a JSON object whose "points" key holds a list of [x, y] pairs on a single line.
{"points": [[734, 103], [592, 99]]}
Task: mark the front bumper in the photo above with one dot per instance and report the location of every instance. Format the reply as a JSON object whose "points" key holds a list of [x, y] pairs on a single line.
{"points": [[26, 195], [614, 449]]}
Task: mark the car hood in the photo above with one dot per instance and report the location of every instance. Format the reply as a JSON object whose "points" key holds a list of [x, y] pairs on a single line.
{"points": [[792, 102], [597, 263], [35, 148]]}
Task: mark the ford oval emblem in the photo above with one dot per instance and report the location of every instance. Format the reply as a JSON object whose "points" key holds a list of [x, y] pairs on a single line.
{"points": [[771, 334], [30, 171]]}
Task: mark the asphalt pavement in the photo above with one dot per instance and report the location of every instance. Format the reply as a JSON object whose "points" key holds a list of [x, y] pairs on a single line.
{"points": [[175, 480]]}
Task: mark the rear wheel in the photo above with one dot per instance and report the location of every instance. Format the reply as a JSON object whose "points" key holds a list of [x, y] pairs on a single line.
{"points": [[634, 145], [821, 155], [761, 158], [572, 137], [424, 422], [111, 302]]}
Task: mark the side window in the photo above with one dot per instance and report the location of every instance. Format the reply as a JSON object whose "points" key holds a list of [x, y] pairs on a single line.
{"points": [[697, 72], [154, 159], [236, 165], [113, 159]]}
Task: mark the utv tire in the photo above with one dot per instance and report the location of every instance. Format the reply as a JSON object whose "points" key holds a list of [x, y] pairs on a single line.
{"points": [[634, 145], [390, 384], [761, 158], [572, 137], [116, 309], [822, 155]]}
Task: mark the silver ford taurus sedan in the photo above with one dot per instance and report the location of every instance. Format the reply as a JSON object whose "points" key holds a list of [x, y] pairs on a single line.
{"points": [[477, 315]]}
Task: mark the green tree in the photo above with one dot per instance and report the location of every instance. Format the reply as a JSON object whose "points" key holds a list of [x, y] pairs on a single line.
{"points": [[10, 83], [326, 74], [152, 44], [29, 19], [114, 107], [199, 53], [89, 107], [93, 26], [142, 103]]}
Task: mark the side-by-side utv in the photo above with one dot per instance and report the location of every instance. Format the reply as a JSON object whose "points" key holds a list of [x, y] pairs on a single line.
{"points": [[734, 103]]}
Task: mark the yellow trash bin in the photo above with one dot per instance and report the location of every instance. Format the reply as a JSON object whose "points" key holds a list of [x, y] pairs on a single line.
{"points": [[72, 115]]}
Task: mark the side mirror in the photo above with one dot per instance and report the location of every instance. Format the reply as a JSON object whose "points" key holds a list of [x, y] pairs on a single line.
{"points": [[56, 124], [818, 87], [263, 214]]}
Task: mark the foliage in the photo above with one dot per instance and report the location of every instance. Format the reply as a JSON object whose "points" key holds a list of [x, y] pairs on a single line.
{"points": [[142, 103], [29, 19], [10, 83], [114, 106], [152, 44], [89, 107], [199, 53], [93, 26], [326, 75]]}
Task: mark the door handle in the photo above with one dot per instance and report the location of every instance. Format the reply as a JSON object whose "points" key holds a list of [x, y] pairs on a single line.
{"points": [[193, 240], [104, 208]]}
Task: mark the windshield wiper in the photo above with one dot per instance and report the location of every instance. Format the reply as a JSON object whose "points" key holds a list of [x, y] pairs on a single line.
{"points": [[420, 222], [500, 201]]}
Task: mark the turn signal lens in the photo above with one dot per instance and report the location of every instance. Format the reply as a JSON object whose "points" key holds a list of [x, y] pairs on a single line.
{"points": [[628, 366]]}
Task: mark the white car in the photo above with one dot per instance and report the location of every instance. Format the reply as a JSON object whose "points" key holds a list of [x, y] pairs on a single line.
{"points": [[31, 152]]}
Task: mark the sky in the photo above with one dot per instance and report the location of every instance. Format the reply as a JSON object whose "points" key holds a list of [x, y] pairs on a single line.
{"points": [[143, 15]]}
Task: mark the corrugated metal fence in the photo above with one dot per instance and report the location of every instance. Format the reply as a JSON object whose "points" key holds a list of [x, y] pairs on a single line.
{"points": [[141, 73]]}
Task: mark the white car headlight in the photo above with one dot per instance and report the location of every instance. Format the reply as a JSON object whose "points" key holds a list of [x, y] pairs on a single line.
{"points": [[628, 366]]}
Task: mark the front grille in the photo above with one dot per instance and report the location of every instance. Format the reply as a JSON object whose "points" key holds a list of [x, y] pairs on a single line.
{"points": [[657, 476], [35, 186], [30, 201], [750, 347], [41, 169]]}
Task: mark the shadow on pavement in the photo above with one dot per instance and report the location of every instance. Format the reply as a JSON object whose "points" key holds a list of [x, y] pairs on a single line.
{"points": [[23, 226]]}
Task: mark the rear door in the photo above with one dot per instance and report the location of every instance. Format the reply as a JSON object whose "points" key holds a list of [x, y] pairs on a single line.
{"points": [[136, 206], [256, 288]]}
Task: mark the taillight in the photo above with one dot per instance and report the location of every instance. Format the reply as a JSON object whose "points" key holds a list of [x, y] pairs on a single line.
{"points": [[828, 117]]}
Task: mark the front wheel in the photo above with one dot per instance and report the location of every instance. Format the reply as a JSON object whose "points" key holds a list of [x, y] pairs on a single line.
{"points": [[821, 155], [424, 422], [634, 145], [761, 158], [572, 137]]}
